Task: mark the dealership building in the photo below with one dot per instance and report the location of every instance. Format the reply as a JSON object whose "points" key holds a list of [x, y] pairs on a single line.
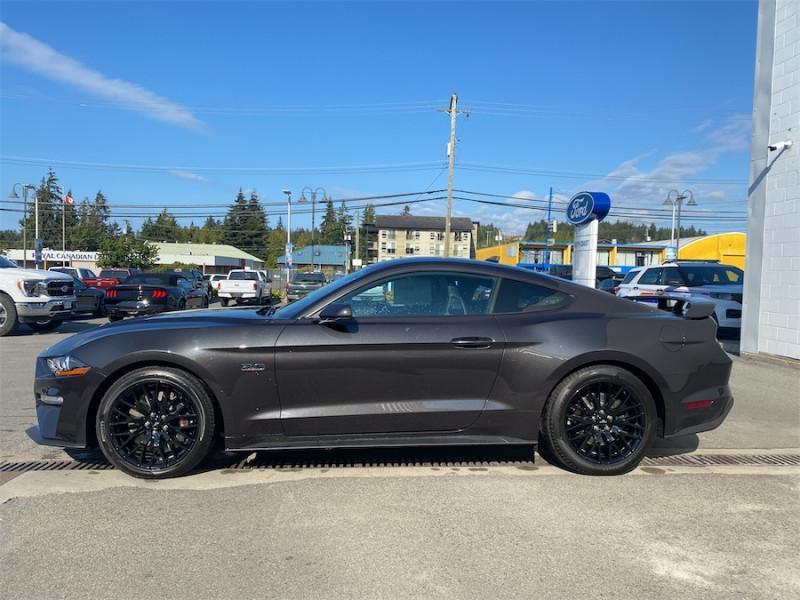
{"points": [[210, 258], [771, 311]]}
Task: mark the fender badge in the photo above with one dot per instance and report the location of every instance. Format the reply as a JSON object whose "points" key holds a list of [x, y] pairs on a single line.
{"points": [[253, 367]]}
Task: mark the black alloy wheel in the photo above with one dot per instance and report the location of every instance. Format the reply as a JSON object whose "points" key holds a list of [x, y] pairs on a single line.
{"points": [[605, 422], [600, 420], [155, 422], [43, 325]]}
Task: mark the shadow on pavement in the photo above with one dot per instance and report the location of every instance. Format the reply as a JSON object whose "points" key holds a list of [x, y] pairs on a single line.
{"points": [[673, 446]]}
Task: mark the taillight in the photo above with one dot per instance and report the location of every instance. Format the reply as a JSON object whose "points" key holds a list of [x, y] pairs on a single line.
{"points": [[111, 294], [158, 294], [254, 285]]}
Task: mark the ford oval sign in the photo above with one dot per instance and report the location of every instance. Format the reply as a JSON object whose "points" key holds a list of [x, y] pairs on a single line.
{"points": [[588, 206]]}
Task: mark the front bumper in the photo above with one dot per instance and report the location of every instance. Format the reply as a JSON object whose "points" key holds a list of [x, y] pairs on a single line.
{"points": [[55, 308], [62, 407], [728, 313]]}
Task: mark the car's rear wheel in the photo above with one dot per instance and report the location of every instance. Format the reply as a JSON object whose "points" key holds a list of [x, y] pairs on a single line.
{"points": [[156, 422], [224, 301], [600, 420]]}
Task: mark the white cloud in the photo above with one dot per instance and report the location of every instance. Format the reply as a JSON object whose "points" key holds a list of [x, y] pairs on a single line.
{"points": [[188, 175], [29, 53], [733, 135]]}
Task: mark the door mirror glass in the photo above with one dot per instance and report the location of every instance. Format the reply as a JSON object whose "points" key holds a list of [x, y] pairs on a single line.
{"points": [[336, 312]]}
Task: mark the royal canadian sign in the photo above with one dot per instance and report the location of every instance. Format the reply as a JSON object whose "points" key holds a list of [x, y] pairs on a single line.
{"points": [[588, 206], [62, 255]]}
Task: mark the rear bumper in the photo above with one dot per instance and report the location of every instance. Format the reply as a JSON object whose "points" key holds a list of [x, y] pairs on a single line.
{"points": [[133, 309], [702, 411]]}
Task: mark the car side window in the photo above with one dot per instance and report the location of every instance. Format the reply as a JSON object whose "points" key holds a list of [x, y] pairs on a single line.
{"points": [[423, 294], [185, 284], [671, 276], [518, 296], [650, 277]]}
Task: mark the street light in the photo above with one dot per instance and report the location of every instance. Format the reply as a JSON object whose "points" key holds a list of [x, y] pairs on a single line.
{"points": [[14, 196], [676, 204], [313, 194], [288, 252]]}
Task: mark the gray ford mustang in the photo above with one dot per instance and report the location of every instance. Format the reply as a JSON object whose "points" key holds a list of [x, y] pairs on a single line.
{"points": [[412, 352]]}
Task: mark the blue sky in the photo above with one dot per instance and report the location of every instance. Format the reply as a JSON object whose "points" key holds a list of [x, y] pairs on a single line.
{"points": [[656, 95]]}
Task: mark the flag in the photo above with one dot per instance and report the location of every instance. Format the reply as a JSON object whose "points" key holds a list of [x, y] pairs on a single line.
{"points": [[68, 199]]}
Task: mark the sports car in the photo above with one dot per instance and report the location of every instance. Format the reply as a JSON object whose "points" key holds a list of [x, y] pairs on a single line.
{"points": [[411, 352]]}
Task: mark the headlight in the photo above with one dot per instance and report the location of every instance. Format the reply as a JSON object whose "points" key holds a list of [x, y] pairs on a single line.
{"points": [[67, 366], [32, 288], [721, 295]]}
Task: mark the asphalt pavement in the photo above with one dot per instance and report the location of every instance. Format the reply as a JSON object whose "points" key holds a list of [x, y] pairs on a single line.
{"points": [[433, 530]]}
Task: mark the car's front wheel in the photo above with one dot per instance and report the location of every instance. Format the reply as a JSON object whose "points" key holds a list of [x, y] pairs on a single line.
{"points": [[600, 420], [45, 325], [156, 422]]}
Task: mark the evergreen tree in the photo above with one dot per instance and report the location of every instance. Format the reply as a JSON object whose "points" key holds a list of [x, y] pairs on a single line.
{"points": [[210, 233], [127, 251], [406, 212], [367, 218], [344, 218], [233, 223], [165, 228], [330, 232], [49, 201], [93, 225]]}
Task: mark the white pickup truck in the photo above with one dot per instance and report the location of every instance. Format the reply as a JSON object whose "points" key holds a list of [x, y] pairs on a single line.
{"points": [[244, 285], [40, 299]]}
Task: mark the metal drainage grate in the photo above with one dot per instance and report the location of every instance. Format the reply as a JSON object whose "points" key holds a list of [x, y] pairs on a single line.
{"points": [[270, 460], [704, 460]]}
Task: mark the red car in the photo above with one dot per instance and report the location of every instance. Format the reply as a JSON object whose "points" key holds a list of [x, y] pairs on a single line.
{"points": [[111, 277], [87, 276]]}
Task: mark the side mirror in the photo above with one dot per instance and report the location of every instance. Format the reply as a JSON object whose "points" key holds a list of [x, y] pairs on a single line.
{"points": [[336, 313]]}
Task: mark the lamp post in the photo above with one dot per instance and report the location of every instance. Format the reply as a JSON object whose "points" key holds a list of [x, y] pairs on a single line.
{"points": [[677, 204], [14, 196], [288, 252], [313, 195]]}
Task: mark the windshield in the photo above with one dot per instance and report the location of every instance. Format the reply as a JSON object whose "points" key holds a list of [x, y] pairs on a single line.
{"points": [[113, 274], [242, 275], [630, 276], [308, 277], [295, 309], [6, 264], [695, 276]]}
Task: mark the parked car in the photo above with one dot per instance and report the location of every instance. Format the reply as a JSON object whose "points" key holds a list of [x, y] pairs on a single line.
{"points": [[565, 272], [89, 299], [610, 285], [402, 353], [213, 281], [242, 285], [301, 284], [111, 277], [717, 283], [40, 299], [151, 293], [87, 276], [195, 276]]}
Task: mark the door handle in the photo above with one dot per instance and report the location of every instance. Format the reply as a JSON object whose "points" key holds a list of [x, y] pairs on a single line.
{"points": [[472, 342]]}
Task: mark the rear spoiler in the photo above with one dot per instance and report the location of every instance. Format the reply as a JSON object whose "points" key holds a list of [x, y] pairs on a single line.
{"points": [[685, 307]]}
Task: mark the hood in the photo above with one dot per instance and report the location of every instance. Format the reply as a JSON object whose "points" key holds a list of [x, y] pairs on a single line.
{"points": [[36, 274], [162, 324]]}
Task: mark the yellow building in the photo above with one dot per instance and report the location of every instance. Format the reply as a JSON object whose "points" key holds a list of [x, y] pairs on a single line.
{"points": [[727, 248]]}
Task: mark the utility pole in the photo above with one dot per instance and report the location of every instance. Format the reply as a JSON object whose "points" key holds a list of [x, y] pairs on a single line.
{"points": [[549, 227], [677, 202], [451, 155], [358, 235]]}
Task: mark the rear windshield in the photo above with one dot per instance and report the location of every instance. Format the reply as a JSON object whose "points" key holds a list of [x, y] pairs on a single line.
{"points": [[629, 277], [308, 277], [251, 275], [114, 274], [6, 264], [711, 275], [153, 279]]}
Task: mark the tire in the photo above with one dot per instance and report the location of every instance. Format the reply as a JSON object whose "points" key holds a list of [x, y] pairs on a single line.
{"points": [[45, 325], [181, 305], [173, 396], [206, 302], [224, 301], [114, 318], [8, 315], [101, 310], [584, 438]]}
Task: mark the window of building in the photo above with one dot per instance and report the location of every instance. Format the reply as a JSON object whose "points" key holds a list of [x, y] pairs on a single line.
{"points": [[517, 296]]}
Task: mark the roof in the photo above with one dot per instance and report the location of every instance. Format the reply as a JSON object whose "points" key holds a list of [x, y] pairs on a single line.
{"points": [[324, 254], [203, 250], [421, 223]]}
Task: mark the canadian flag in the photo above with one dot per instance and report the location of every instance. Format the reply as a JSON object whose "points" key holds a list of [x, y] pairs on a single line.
{"points": [[68, 199]]}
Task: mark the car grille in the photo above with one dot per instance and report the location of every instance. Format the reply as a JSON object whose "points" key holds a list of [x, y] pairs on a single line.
{"points": [[60, 288]]}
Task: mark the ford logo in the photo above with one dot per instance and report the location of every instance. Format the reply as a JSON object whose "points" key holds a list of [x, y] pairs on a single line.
{"points": [[64, 289], [588, 206]]}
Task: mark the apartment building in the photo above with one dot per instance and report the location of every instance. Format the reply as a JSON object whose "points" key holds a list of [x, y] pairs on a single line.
{"points": [[397, 236]]}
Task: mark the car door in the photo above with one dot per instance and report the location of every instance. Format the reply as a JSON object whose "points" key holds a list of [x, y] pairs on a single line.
{"points": [[421, 353], [649, 283]]}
